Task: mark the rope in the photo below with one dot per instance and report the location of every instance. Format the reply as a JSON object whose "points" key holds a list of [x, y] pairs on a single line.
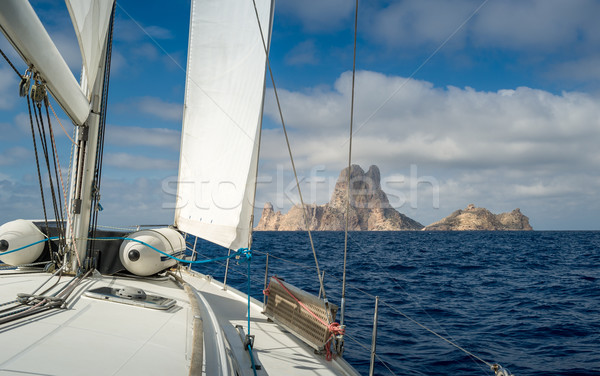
{"points": [[59, 122], [44, 142], [304, 215], [251, 357], [125, 228], [37, 163], [58, 177], [238, 253], [248, 257], [65, 212], [334, 328], [28, 245], [11, 64], [45, 302], [343, 301]]}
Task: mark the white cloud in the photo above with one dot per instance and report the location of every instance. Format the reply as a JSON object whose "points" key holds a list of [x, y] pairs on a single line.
{"points": [[526, 26], [162, 109], [138, 162], [19, 199], [159, 32], [156, 137], [8, 87], [141, 201], [303, 53], [546, 25], [127, 30], [23, 123], [501, 149], [412, 23], [317, 15], [581, 70], [67, 45], [14, 156]]}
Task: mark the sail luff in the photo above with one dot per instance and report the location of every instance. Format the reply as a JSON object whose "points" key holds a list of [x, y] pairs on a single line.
{"points": [[25, 31], [223, 104]]}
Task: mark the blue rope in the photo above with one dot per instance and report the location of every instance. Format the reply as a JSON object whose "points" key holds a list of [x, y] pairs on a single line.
{"points": [[248, 257], [252, 359], [239, 252], [248, 253], [29, 245], [248, 296]]}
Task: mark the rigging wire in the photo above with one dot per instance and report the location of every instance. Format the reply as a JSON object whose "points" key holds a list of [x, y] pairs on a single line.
{"points": [[304, 214], [11, 64], [44, 142], [365, 347], [37, 163], [385, 102], [343, 301], [64, 212], [451, 342], [58, 176]]}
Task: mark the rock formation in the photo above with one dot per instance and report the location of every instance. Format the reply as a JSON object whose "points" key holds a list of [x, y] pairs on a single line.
{"points": [[473, 218], [370, 209]]}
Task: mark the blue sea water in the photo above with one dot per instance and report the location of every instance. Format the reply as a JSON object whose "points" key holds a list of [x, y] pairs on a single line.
{"points": [[527, 300]]}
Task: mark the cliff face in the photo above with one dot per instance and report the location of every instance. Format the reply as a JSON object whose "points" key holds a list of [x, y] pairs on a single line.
{"points": [[370, 209], [473, 218]]}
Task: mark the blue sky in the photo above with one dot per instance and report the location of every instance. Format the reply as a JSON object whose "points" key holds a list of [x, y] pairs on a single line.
{"points": [[492, 102]]}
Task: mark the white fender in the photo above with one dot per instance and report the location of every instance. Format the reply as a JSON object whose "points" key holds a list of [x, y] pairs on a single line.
{"points": [[17, 234], [142, 260]]}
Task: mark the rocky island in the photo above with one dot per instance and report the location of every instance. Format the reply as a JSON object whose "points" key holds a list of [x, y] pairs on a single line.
{"points": [[370, 209], [473, 218]]}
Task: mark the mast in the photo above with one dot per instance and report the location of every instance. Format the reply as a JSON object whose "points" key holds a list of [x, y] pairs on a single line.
{"points": [[84, 185], [82, 177], [24, 30]]}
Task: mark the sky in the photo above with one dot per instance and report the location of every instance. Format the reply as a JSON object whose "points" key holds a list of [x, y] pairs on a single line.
{"points": [[495, 103]]}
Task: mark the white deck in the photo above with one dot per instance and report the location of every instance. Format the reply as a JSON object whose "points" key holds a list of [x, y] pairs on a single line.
{"points": [[95, 337]]}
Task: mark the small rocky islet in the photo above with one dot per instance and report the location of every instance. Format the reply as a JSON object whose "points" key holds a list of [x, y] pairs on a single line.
{"points": [[370, 210]]}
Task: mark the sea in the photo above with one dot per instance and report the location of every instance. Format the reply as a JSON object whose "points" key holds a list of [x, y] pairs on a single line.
{"points": [[450, 303]]}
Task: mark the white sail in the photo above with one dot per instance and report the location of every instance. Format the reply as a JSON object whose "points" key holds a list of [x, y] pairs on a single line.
{"points": [[90, 19], [221, 121]]}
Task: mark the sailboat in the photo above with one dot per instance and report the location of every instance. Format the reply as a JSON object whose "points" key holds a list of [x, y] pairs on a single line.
{"points": [[75, 299]]}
